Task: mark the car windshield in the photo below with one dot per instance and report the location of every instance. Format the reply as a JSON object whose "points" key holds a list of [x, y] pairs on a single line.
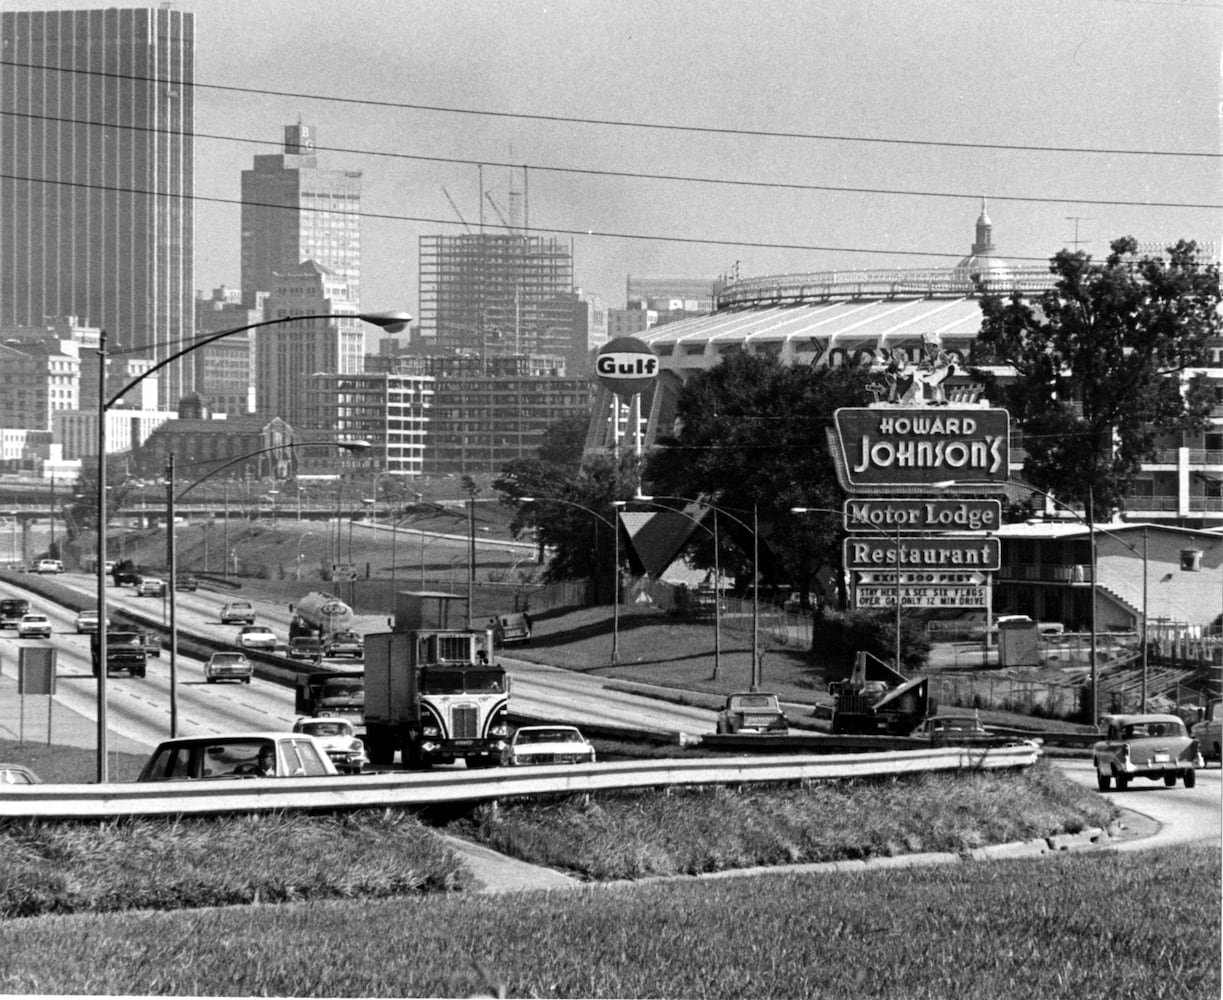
{"points": [[1141, 730], [324, 729], [228, 658], [756, 701], [547, 736]]}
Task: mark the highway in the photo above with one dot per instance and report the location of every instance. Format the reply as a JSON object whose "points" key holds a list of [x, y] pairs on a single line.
{"points": [[139, 709]]}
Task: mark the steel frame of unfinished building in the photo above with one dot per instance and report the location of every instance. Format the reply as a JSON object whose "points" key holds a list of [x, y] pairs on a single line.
{"points": [[490, 294]]}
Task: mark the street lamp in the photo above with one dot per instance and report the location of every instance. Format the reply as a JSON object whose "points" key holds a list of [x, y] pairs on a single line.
{"points": [[615, 527], [1090, 521], [392, 322], [301, 538], [754, 528]]}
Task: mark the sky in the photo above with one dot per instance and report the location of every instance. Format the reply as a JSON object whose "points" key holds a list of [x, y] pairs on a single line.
{"points": [[781, 136]]}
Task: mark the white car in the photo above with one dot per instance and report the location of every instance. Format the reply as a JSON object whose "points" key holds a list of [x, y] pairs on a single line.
{"points": [[87, 621], [549, 745], [34, 626], [338, 738], [231, 756], [150, 586], [257, 637], [49, 566], [228, 667]]}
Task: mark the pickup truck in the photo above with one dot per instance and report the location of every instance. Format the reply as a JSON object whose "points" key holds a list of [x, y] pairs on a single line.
{"points": [[124, 651]]}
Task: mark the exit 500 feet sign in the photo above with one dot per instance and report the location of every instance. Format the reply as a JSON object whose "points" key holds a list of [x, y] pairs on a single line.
{"points": [[893, 446]]}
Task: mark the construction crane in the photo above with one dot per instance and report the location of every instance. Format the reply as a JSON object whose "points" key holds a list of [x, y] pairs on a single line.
{"points": [[497, 209], [456, 210]]}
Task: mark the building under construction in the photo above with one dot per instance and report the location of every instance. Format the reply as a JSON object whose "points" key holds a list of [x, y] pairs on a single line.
{"points": [[487, 294]]}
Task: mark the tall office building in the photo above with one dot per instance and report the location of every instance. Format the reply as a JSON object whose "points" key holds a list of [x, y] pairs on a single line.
{"points": [[97, 174], [293, 210]]}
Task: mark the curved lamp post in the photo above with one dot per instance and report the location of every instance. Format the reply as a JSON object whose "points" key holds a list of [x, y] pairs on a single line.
{"points": [[1090, 521], [615, 527], [392, 322]]}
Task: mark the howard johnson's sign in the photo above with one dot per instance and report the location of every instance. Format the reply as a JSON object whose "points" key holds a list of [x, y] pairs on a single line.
{"points": [[903, 446]]}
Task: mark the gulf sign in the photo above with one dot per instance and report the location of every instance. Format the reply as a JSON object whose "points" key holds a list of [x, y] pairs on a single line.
{"points": [[920, 446], [626, 366]]}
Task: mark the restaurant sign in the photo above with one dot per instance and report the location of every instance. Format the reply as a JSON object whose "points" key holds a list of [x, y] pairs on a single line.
{"points": [[908, 446], [943, 552]]}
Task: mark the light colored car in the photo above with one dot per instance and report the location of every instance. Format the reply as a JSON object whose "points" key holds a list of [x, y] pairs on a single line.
{"points": [[338, 738], [18, 774], [87, 621], [511, 628], [1209, 731], [49, 566], [34, 626], [257, 637], [228, 667], [150, 586], [238, 613], [549, 745], [238, 755], [754, 712], [1146, 746]]}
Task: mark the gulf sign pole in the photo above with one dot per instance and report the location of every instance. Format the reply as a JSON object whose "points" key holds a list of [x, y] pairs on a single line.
{"points": [[627, 367]]}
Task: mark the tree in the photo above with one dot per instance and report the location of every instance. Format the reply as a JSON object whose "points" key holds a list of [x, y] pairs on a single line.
{"points": [[751, 439], [1104, 364]]}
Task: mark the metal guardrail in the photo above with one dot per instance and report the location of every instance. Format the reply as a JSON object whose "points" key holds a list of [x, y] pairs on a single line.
{"points": [[411, 789]]}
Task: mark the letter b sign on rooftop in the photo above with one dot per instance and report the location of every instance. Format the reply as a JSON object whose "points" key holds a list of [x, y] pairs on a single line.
{"points": [[626, 366]]}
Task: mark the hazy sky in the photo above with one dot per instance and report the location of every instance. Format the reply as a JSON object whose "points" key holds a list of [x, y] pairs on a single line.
{"points": [[885, 101]]}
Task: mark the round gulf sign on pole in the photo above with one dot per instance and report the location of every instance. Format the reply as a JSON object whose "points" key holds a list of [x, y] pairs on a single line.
{"points": [[626, 366]]}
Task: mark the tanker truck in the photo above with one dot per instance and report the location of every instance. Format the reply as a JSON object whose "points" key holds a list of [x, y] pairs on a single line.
{"points": [[319, 614]]}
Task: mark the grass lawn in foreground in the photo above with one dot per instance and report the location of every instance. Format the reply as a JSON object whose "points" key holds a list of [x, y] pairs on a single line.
{"points": [[1118, 926]]}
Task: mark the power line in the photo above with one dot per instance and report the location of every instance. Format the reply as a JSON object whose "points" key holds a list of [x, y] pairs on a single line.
{"points": [[545, 230], [636, 175], [619, 123]]}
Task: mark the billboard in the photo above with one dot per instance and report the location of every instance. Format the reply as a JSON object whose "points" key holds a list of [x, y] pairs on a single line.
{"points": [[922, 446]]}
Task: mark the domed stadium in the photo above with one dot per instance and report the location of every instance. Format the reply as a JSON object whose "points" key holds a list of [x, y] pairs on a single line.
{"points": [[830, 318]]}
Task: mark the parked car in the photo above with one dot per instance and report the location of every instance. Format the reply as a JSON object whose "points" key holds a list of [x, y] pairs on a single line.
{"points": [[257, 637], [753, 712], [1146, 746], [185, 581], [952, 730], [49, 566], [549, 745], [87, 621], [228, 667], [238, 613], [18, 774], [238, 755], [150, 586], [34, 626], [1209, 731], [338, 737], [512, 628], [345, 643], [11, 611]]}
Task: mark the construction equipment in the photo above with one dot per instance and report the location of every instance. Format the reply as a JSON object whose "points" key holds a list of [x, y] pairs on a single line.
{"points": [[878, 699]]}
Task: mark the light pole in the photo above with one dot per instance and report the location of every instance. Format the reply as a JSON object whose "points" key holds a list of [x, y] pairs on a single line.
{"points": [[754, 528], [301, 538], [615, 527], [392, 322], [1090, 520]]}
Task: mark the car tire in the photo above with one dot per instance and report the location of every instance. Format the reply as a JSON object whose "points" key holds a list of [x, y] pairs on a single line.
{"points": [[1190, 778], [210, 680], [1123, 782], [1103, 781], [246, 680], [1170, 780]]}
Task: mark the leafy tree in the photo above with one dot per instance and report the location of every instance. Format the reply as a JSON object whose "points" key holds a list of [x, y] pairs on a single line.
{"points": [[1104, 364], [751, 439]]}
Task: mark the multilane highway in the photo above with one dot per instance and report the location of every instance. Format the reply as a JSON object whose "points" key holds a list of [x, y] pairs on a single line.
{"points": [[139, 709]]}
